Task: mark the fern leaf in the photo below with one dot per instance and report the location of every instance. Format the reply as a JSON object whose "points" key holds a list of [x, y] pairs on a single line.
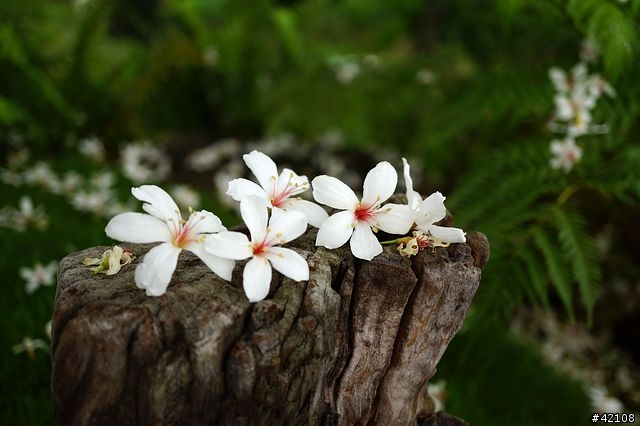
{"points": [[581, 253], [556, 268]]}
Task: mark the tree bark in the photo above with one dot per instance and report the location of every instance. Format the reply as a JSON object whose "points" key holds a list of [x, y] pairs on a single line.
{"points": [[356, 344]]}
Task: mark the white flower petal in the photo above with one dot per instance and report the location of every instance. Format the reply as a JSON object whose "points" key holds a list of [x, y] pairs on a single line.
{"points": [[286, 227], [222, 267], [263, 168], [336, 230], [157, 202], [379, 184], [432, 209], [364, 245], [156, 269], [314, 213], [290, 184], [413, 198], [137, 228], [239, 188], [445, 234], [334, 193], [204, 222], [288, 263], [254, 214], [395, 218], [256, 279], [229, 244]]}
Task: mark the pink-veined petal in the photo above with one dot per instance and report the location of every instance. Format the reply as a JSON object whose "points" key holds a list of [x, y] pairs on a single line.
{"points": [[288, 263], [157, 202], [256, 279], [314, 213], [395, 218], [364, 245], [204, 222], [431, 209], [336, 230], [291, 183], [379, 184], [254, 214], [156, 269], [334, 193], [229, 244], [286, 227], [413, 198], [445, 234], [137, 228], [239, 188], [263, 168], [220, 266]]}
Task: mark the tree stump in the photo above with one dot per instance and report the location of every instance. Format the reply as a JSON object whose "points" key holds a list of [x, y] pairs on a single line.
{"points": [[356, 344]]}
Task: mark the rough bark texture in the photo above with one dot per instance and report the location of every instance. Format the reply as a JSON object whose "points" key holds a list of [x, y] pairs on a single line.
{"points": [[356, 344]]}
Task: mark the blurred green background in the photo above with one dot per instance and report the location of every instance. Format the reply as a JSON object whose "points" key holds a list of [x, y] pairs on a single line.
{"points": [[460, 88]]}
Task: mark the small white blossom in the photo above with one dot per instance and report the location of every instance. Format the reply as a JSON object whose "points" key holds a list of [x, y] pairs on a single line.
{"points": [[110, 262], [565, 154], [41, 175], [279, 191], [39, 275], [92, 148], [361, 217], [29, 346], [145, 162], [10, 177], [185, 195], [263, 248], [425, 77], [210, 56], [437, 392], [211, 156], [602, 402], [163, 224], [427, 213], [26, 217]]}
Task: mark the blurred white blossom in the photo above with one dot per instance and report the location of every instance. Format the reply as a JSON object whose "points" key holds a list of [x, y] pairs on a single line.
{"points": [[602, 402], [565, 154], [29, 346], [185, 195], [25, 217], [145, 162], [425, 76], [41, 175], [39, 275], [437, 392], [211, 156], [92, 148]]}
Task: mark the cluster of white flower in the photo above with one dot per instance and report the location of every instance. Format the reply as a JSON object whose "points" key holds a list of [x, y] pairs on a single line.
{"points": [[25, 217], [275, 215], [576, 96], [143, 161]]}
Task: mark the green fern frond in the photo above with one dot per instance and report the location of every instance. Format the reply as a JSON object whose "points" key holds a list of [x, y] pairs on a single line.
{"points": [[581, 252], [556, 267], [537, 279], [611, 28]]}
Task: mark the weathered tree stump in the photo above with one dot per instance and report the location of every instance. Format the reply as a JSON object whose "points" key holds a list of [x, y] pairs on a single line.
{"points": [[356, 344]]}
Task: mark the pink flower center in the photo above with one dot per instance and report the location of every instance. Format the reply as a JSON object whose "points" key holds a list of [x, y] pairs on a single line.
{"points": [[260, 248], [365, 213]]}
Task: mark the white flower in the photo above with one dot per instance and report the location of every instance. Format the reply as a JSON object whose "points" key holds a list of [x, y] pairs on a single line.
{"points": [[42, 175], [428, 212], [99, 201], [27, 216], [39, 275], [347, 72], [29, 346], [263, 246], [110, 262], [210, 156], [145, 162], [278, 191], [437, 392], [359, 217], [425, 76], [185, 195], [602, 402], [165, 225], [565, 154], [92, 148]]}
